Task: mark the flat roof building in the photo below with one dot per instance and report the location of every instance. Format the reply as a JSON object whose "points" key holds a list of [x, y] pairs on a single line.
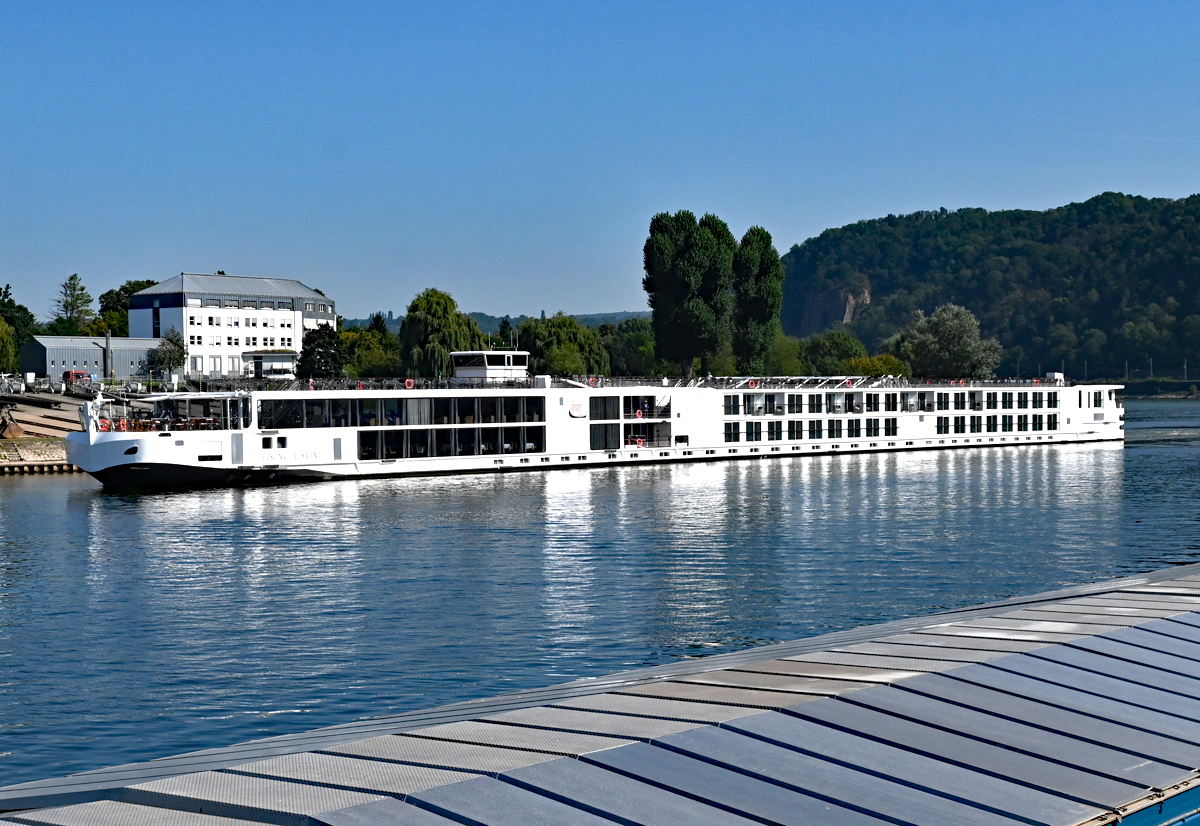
{"points": [[232, 325], [119, 358]]}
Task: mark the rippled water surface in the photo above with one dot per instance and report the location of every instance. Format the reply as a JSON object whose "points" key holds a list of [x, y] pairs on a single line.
{"points": [[134, 627]]}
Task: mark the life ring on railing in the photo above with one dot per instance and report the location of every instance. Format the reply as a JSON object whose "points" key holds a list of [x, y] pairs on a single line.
{"points": [[638, 414], [849, 383], [639, 442], [123, 425], [592, 381], [311, 386], [104, 425], [408, 384], [751, 384], [360, 385]]}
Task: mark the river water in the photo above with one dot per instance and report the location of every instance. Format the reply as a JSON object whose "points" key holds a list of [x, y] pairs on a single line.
{"points": [[138, 626]]}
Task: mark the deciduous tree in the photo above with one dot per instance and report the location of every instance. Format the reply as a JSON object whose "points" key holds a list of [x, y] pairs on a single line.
{"points": [[433, 328], [689, 279], [17, 316], [171, 352], [323, 354], [946, 345], [8, 348], [562, 345], [758, 286]]}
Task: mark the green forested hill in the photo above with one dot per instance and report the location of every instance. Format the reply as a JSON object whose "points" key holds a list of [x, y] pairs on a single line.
{"points": [[1112, 279]]}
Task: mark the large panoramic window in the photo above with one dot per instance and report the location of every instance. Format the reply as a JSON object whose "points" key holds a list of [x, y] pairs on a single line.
{"points": [[606, 436], [608, 408]]}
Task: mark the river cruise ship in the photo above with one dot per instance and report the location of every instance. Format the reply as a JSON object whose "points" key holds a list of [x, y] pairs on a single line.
{"points": [[494, 417]]}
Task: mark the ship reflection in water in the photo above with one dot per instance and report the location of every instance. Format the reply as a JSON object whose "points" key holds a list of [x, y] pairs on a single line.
{"points": [[136, 626]]}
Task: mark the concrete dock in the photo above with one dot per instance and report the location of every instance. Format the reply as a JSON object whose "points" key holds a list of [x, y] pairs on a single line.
{"points": [[1079, 706]]}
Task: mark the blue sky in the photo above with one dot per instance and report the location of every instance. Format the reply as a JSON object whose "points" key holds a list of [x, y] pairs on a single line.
{"points": [[514, 154]]}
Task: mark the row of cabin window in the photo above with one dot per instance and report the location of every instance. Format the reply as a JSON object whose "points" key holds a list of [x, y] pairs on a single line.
{"points": [[609, 408], [769, 404], [817, 429], [997, 424], [460, 441], [278, 414]]}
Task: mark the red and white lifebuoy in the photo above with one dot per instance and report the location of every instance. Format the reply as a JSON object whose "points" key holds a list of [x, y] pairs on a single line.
{"points": [[752, 384], [123, 425], [639, 443], [104, 425], [408, 384]]}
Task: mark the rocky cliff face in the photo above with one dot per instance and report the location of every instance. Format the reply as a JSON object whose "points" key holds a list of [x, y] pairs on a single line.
{"points": [[822, 310]]}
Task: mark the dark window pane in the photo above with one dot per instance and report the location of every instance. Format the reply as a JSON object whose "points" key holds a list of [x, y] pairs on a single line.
{"points": [[316, 413], [340, 411], [368, 412], [418, 444], [489, 410], [535, 408], [443, 442], [489, 441], [511, 442], [368, 445], [442, 411], [512, 409], [393, 444], [465, 411], [393, 412], [535, 439], [466, 439]]}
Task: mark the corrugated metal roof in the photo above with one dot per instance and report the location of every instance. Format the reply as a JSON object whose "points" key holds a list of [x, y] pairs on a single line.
{"points": [[233, 285], [118, 343]]}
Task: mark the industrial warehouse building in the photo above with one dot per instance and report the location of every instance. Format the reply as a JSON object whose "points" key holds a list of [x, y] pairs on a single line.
{"points": [[232, 325], [120, 358]]}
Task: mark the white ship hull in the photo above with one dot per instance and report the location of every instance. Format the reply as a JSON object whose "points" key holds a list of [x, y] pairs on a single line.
{"points": [[256, 438]]}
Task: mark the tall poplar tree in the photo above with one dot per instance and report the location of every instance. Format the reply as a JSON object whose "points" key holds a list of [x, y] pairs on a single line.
{"points": [[689, 279], [758, 285]]}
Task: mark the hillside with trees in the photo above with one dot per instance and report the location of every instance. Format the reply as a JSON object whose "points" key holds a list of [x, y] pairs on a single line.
{"points": [[1113, 279]]}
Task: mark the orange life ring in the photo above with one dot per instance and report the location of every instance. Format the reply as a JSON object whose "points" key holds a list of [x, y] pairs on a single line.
{"points": [[639, 442], [408, 384], [751, 384], [638, 414], [104, 425], [124, 425], [592, 381], [849, 383]]}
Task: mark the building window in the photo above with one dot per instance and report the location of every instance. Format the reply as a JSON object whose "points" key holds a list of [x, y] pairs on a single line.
{"points": [[872, 427], [991, 424], [1022, 401], [977, 424], [606, 436], [732, 405], [960, 424], [1052, 421], [753, 431], [943, 401], [890, 402], [1037, 421], [960, 401], [1006, 401], [814, 403], [1052, 400], [991, 401], [943, 424], [214, 365], [732, 432], [890, 427], [795, 430], [835, 428], [872, 402], [795, 404], [1037, 400], [774, 431], [1006, 424], [853, 428], [1023, 422], [309, 307], [814, 428]]}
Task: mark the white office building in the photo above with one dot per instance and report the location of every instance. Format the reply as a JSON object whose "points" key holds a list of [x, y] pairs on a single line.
{"points": [[232, 325]]}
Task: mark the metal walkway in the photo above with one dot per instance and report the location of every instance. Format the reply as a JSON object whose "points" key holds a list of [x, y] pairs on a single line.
{"points": [[1080, 706]]}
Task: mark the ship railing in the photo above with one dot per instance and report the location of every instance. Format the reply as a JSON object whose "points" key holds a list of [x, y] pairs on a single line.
{"points": [[634, 442]]}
